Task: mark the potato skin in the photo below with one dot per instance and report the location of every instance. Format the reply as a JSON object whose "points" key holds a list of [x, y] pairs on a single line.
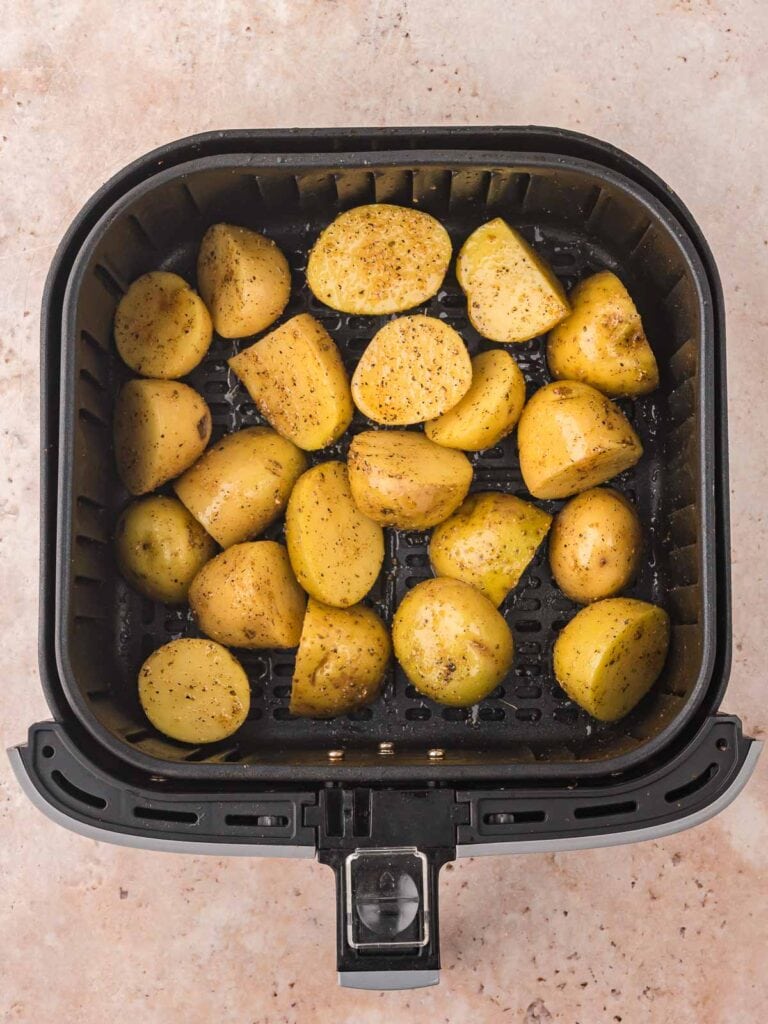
{"points": [[297, 381], [160, 548], [400, 478], [341, 661], [242, 484], [571, 437], [414, 368], [488, 411], [610, 654], [595, 545], [489, 542], [602, 341], [451, 642], [248, 597], [194, 691], [336, 551], [379, 259]]}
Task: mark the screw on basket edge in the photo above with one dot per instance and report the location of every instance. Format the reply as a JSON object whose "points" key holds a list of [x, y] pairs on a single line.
{"points": [[335, 755], [436, 754], [386, 748]]}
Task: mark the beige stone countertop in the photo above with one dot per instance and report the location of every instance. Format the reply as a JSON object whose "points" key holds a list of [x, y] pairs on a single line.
{"points": [[668, 931]]}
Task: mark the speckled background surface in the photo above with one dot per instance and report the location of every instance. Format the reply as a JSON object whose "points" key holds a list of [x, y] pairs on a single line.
{"points": [[672, 931]]}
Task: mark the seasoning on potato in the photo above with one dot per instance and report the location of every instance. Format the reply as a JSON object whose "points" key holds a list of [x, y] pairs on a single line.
{"points": [[379, 259], [298, 383], [160, 428], [414, 368], [400, 478], [341, 662], [194, 691], [570, 438], [489, 542], [512, 295], [610, 654]]}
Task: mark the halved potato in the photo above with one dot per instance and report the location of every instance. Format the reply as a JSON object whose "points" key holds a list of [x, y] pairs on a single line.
{"points": [[336, 551], [297, 380], [248, 597], [400, 478], [243, 278], [379, 259], [341, 661], [512, 295], [610, 654], [242, 484], [571, 437], [415, 368], [160, 428], [162, 327], [488, 411]]}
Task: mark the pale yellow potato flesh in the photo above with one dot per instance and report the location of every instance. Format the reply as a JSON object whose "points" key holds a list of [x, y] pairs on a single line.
{"points": [[400, 478], [489, 542], [414, 368], [244, 280], [610, 654], [571, 437], [248, 597], [160, 428], [488, 411], [512, 295], [242, 483], [194, 691], [298, 383], [336, 551], [602, 341], [342, 658], [379, 259]]}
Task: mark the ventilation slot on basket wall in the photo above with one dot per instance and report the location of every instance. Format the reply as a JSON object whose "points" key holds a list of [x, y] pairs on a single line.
{"points": [[674, 795]]}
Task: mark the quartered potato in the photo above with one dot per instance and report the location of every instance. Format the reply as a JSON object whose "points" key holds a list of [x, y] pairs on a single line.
{"points": [[336, 551], [602, 341], [451, 642], [571, 437], [248, 597], [415, 368], [512, 295], [610, 654], [400, 478], [160, 428], [242, 484], [244, 279], [162, 327], [379, 259], [341, 661], [297, 381], [489, 542], [488, 411], [160, 548], [194, 691]]}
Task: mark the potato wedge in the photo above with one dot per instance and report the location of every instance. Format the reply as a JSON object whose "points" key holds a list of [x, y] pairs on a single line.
{"points": [[336, 551], [488, 411], [160, 428], [162, 327], [610, 654], [248, 597], [489, 542], [512, 295], [451, 642], [400, 478], [194, 691], [571, 437], [415, 368], [298, 383], [341, 661], [242, 484], [379, 259], [243, 278]]}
